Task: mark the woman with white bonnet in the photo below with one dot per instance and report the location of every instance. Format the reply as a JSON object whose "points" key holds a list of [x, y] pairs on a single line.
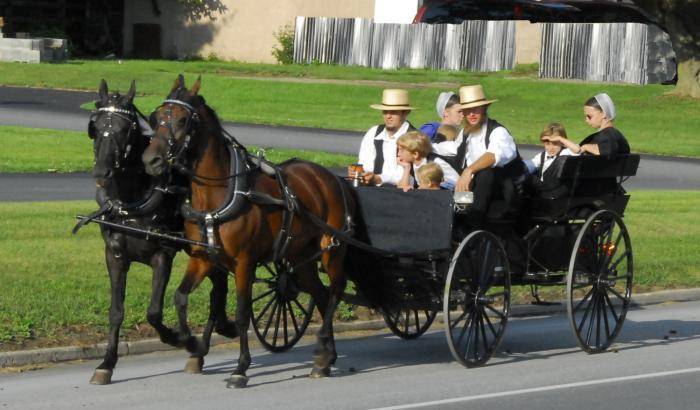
{"points": [[607, 141], [448, 109]]}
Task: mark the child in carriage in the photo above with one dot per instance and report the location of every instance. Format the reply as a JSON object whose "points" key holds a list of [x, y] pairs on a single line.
{"points": [[430, 176], [543, 166], [414, 152]]}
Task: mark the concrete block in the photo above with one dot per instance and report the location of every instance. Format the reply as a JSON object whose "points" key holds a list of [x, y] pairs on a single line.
{"points": [[20, 55], [23, 43]]}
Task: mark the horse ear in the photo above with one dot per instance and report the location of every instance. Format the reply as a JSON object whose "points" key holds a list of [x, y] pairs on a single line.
{"points": [[179, 83], [132, 91], [103, 90], [195, 88]]}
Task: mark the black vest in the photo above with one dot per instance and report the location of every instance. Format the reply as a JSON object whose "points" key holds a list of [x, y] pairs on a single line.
{"points": [[378, 148]]}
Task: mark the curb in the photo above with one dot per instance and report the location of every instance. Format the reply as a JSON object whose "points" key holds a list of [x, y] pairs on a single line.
{"points": [[97, 351]]}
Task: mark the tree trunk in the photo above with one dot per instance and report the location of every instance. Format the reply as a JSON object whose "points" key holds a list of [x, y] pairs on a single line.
{"points": [[688, 78], [678, 18]]}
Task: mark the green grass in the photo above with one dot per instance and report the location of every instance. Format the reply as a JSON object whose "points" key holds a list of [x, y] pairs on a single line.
{"points": [[652, 121], [41, 150], [55, 283]]}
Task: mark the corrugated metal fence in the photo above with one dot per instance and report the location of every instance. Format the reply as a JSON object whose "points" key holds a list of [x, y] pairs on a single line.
{"points": [[472, 45], [610, 52]]}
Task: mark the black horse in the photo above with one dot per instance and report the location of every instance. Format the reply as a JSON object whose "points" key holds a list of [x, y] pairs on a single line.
{"points": [[129, 197]]}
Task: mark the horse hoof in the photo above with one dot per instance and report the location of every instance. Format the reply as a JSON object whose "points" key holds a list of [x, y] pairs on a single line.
{"points": [[237, 381], [317, 373], [101, 377], [194, 365]]}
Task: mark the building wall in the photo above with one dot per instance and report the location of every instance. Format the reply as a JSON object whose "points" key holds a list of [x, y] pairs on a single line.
{"points": [[528, 42], [245, 31]]}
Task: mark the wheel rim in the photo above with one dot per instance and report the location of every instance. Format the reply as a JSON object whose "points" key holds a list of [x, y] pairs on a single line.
{"points": [[477, 299], [599, 283], [284, 312]]}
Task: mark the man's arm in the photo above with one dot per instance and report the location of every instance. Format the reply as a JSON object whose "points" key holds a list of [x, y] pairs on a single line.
{"points": [[465, 180]]}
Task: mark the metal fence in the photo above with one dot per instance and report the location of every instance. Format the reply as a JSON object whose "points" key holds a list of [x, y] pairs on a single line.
{"points": [[611, 52], [472, 45]]}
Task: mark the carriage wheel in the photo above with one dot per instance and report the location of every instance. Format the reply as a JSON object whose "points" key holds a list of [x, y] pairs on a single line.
{"points": [[599, 285], [284, 313], [477, 298], [408, 323]]}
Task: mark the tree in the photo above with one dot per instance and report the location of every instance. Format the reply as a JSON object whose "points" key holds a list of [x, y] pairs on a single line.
{"points": [[197, 9], [679, 19]]}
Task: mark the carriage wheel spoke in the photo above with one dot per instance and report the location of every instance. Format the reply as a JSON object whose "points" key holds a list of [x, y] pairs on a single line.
{"points": [[616, 293], [277, 326], [619, 259], [262, 296], [501, 315], [603, 305], [585, 298], [294, 320], [465, 327], [296, 302], [415, 316], [459, 319], [483, 333], [614, 249], [269, 322], [284, 324], [591, 320], [585, 314], [612, 308], [597, 322], [493, 330], [486, 259], [264, 309]]}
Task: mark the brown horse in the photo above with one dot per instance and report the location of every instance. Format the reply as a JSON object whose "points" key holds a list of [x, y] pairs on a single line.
{"points": [[189, 138]]}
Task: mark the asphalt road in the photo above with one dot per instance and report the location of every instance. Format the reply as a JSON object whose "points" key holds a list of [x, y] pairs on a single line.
{"points": [[56, 109], [654, 366]]}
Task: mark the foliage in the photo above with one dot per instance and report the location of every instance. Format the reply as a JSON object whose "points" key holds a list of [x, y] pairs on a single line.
{"points": [[284, 52], [200, 9]]}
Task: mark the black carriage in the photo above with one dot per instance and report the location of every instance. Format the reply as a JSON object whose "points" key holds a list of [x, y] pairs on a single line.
{"points": [[414, 264]]}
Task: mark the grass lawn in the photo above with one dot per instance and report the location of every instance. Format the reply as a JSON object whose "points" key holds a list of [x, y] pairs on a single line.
{"points": [[652, 121], [41, 150], [55, 286]]}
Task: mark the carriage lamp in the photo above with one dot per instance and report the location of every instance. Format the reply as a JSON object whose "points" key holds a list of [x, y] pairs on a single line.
{"points": [[609, 248]]}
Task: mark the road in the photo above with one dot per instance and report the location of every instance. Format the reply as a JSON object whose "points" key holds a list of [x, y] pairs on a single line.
{"points": [[654, 365], [57, 109]]}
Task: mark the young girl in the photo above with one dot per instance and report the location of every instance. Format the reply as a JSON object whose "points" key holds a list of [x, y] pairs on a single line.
{"points": [[600, 113]]}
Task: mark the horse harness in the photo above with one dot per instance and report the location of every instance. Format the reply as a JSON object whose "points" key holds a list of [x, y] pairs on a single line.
{"points": [[242, 164]]}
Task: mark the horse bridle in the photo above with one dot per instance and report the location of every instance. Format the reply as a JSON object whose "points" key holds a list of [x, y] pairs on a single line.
{"points": [[173, 158], [130, 116]]}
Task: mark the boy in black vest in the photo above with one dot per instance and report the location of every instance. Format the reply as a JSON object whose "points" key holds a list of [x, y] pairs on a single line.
{"points": [[543, 167], [414, 152], [486, 155], [378, 148]]}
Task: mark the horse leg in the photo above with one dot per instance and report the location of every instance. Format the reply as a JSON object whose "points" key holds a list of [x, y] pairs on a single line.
{"points": [[162, 264], [217, 305], [222, 326], [197, 270], [325, 354], [117, 268], [245, 273]]}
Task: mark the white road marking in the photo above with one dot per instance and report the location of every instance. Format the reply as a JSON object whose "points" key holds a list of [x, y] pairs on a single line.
{"points": [[541, 389]]}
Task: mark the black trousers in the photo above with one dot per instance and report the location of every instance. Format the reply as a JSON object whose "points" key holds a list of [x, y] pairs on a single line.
{"points": [[489, 185]]}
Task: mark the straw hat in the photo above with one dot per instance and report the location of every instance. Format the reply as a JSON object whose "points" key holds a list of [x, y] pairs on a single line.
{"points": [[473, 96], [393, 99]]}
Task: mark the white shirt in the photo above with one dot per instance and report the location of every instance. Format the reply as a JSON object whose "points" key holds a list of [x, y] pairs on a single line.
{"points": [[450, 176], [534, 164], [391, 171], [501, 145]]}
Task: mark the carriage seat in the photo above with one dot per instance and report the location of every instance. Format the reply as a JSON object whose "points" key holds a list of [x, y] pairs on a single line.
{"points": [[590, 182]]}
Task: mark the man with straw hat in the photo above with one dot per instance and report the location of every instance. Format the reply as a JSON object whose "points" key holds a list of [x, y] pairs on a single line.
{"points": [[484, 153], [378, 148]]}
